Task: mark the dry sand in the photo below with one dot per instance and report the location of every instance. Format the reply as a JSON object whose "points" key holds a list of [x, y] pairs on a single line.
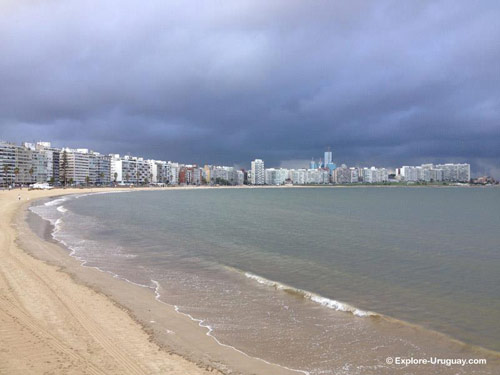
{"points": [[57, 317]]}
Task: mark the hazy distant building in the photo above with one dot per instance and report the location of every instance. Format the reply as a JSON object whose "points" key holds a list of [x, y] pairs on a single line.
{"points": [[328, 158], [317, 176], [276, 176], [409, 173], [455, 172], [171, 173], [328, 162], [258, 177], [354, 175], [298, 176], [435, 173], [342, 175], [240, 177], [190, 175], [375, 175], [222, 175], [270, 176]]}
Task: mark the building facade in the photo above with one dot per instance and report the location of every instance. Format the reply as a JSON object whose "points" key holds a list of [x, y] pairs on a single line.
{"points": [[258, 177]]}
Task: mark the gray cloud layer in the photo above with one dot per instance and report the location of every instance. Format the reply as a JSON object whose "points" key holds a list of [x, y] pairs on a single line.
{"points": [[382, 82]]}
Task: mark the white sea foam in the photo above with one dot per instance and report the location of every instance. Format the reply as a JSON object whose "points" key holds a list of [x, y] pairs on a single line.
{"points": [[77, 196], [209, 329], [57, 226], [62, 209], [327, 302], [57, 201]]}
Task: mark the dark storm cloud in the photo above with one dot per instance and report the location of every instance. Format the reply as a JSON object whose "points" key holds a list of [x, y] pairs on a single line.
{"points": [[383, 83]]}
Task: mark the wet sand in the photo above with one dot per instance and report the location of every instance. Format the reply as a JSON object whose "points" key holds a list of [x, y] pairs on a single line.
{"points": [[58, 317]]}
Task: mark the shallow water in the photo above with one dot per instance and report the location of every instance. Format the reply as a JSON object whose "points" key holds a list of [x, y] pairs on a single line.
{"points": [[307, 277]]}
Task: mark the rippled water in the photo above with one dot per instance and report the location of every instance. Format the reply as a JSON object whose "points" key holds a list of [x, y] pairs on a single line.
{"points": [[307, 277]]}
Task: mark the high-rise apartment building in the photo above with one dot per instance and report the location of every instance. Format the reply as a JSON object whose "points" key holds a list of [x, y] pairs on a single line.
{"points": [[436, 173], [83, 167], [74, 166], [130, 170], [342, 175], [354, 175], [258, 177], [52, 155], [455, 172], [28, 163], [240, 177], [99, 169], [7, 163]]}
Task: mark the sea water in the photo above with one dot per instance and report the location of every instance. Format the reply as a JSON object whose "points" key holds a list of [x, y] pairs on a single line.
{"points": [[322, 280]]}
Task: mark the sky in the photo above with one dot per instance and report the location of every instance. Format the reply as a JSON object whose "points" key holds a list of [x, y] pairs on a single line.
{"points": [[383, 83]]}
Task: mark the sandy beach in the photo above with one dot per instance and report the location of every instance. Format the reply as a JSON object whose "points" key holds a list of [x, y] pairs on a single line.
{"points": [[58, 317]]}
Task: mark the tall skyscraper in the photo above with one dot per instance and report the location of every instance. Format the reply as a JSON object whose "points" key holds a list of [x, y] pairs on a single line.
{"points": [[328, 157], [258, 172]]}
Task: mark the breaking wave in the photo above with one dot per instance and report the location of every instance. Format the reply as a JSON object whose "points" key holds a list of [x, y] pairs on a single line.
{"points": [[327, 302]]}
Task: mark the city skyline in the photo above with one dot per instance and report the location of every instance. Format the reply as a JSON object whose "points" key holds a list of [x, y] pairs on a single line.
{"points": [[381, 83], [40, 162], [319, 161]]}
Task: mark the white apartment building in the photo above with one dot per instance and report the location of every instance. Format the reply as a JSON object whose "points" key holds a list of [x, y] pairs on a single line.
{"points": [[28, 163], [240, 177], [436, 173], [7, 163], [74, 166], [409, 173], [81, 167], [52, 156], [270, 176], [216, 173], [455, 172], [354, 175], [130, 169], [282, 175], [158, 171], [298, 176], [258, 177], [172, 173], [375, 175], [342, 175], [116, 168], [99, 169], [275, 176]]}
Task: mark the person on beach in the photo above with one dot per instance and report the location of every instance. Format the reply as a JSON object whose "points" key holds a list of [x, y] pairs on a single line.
{"points": [[19, 197]]}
